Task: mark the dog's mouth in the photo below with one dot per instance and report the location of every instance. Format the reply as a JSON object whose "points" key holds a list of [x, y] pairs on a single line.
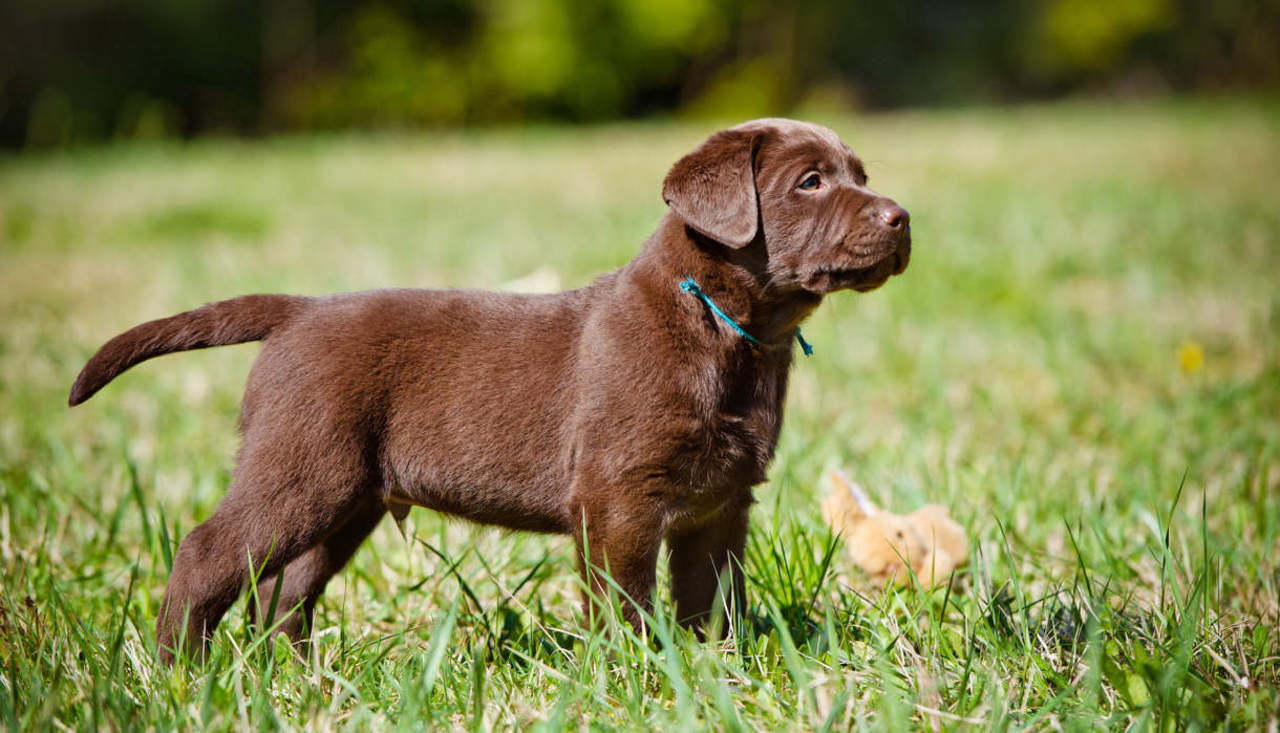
{"points": [[829, 278]]}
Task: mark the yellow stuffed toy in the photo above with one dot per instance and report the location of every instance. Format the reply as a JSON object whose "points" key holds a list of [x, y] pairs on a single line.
{"points": [[884, 545]]}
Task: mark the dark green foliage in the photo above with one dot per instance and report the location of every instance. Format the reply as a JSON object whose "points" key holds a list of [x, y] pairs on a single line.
{"points": [[80, 70]]}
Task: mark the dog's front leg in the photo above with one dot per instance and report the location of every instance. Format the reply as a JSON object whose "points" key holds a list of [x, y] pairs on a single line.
{"points": [[617, 542], [706, 568]]}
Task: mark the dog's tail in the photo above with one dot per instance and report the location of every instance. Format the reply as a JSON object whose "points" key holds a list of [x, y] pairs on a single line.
{"points": [[235, 321]]}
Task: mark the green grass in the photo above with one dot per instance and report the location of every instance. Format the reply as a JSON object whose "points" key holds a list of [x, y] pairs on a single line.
{"points": [[1124, 510]]}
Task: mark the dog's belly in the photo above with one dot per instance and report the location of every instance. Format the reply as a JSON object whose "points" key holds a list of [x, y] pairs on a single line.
{"points": [[507, 507], [494, 461], [473, 441]]}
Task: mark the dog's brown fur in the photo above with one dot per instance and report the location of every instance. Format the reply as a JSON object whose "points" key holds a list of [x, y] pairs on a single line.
{"points": [[625, 411]]}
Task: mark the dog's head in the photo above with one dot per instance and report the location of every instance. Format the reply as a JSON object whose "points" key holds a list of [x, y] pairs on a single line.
{"points": [[797, 191]]}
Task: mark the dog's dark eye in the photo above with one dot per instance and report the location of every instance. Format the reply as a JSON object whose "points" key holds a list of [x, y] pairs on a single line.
{"points": [[810, 183]]}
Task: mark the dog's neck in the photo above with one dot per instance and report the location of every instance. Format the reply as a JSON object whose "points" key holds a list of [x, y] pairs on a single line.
{"points": [[736, 279]]}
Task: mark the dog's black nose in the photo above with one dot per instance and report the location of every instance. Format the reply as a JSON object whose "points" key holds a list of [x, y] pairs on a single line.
{"points": [[895, 218]]}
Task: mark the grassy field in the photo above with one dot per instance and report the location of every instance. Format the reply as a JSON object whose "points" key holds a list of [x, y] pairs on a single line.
{"points": [[1082, 363]]}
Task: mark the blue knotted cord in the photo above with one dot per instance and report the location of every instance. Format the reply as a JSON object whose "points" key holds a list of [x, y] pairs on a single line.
{"points": [[691, 287]]}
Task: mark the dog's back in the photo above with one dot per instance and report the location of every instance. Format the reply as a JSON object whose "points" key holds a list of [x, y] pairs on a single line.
{"points": [[455, 400]]}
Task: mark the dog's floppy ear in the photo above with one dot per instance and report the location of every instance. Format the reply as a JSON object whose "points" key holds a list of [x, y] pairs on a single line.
{"points": [[714, 188]]}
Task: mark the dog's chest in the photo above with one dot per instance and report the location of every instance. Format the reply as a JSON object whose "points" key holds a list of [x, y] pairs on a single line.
{"points": [[732, 437]]}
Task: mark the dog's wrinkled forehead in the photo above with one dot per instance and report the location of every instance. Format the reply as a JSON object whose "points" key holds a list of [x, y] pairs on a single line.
{"points": [[796, 139], [794, 129], [789, 147]]}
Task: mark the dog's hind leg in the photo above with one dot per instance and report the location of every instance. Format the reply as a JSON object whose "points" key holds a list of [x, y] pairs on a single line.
{"points": [[302, 581], [282, 502]]}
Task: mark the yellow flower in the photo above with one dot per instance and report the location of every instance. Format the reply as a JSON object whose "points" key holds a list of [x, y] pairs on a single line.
{"points": [[1190, 357]]}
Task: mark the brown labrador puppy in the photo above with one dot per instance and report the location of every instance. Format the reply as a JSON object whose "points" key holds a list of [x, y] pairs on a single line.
{"points": [[625, 413]]}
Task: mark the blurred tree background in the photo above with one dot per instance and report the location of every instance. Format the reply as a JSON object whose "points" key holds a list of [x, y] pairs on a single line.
{"points": [[85, 70]]}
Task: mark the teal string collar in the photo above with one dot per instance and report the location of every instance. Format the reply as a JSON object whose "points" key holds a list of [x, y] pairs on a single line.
{"points": [[691, 287]]}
